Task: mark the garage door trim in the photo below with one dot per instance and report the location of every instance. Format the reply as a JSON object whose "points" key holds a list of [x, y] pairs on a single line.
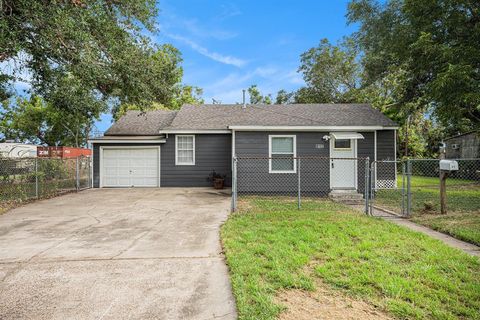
{"points": [[100, 165]]}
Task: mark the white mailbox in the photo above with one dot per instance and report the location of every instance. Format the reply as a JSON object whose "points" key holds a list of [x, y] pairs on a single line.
{"points": [[448, 165]]}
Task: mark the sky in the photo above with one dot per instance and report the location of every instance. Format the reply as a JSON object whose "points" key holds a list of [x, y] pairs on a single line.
{"points": [[229, 45]]}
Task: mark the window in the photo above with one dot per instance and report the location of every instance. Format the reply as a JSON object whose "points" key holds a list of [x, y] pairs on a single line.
{"points": [[342, 144], [184, 150], [282, 154]]}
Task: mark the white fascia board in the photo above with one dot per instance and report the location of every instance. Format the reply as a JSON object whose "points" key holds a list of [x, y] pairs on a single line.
{"points": [[310, 128], [198, 131], [126, 141]]}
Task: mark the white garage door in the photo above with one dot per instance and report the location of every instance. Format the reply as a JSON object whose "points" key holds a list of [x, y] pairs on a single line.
{"points": [[130, 167]]}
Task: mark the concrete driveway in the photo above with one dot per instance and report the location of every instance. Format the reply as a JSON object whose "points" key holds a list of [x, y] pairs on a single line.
{"points": [[116, 254]]}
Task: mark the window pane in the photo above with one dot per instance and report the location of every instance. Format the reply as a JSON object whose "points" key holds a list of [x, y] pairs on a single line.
{"points": [[282, 145], [185, 149], [282, 163], [185, 156], [342, 143]]}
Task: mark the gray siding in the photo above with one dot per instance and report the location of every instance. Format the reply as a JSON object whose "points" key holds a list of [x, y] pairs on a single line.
{"points": [[212, 152], [365, 148], [386, 145], [386, 151], [253, 175], [467, 146], [96, 157]]}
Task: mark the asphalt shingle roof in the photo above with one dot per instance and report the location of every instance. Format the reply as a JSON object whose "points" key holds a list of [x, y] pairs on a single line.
{"points": [[141, 123], [221, 116]]}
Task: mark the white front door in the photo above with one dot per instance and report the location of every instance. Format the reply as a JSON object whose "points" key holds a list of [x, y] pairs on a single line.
{"points": [[343, 173], [130, 167]]}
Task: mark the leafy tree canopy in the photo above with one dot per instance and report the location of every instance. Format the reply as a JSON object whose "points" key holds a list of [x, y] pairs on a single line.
{"points": [[256, 96], [86, 57], [435, 43], [331, 73], [35, 121], [98, 45]]}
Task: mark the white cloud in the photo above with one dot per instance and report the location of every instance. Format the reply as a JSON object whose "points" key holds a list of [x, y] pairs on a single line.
{"points": [[229, 10], [225, 59], [269, 79], [193, 27]]}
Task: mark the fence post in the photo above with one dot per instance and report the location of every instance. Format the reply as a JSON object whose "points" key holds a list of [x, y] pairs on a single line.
{"points": [[77, 173], [298, 185], [36, 178], [373, 184], [89, 168], [234, 185], [367, 184], [403, 188], [409, 187]]}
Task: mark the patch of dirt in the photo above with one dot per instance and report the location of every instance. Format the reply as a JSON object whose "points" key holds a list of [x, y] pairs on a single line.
{"points": [[325, 304]]}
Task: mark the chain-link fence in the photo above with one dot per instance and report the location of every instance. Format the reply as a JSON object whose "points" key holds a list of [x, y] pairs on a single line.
{"points": [[34, 178], [297, 180], [416, 189], [462, 186]]}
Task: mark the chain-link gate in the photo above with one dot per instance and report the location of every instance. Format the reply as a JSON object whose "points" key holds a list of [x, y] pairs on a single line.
{"points": [[297, 180], [389, 180], [412, 186]]}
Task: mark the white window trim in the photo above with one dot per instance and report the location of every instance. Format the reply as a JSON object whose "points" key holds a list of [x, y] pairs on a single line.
{"points": [[270, 153], [343, 149], [176, 150]]}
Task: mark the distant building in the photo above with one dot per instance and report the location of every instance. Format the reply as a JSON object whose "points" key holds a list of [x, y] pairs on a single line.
{"points": [[17, 150], [463, 146]]}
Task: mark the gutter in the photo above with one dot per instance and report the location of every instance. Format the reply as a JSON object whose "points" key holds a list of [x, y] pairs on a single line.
{"points": [[310, 128]]}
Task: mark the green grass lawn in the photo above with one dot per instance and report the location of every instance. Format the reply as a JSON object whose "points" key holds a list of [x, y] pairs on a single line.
{"points": [[464, 226], [269, 246], [463, 203]]}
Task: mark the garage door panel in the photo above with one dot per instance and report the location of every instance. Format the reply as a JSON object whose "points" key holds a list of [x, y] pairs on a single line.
{"points": [[122, 171], [130, 167]]}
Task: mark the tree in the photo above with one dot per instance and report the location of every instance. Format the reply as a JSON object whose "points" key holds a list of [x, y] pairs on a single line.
{"points": [[100, 47], [435, 43], [35, 121], [336, 74], [332, 73], [256, 96], [186, 95], [284, 97]]}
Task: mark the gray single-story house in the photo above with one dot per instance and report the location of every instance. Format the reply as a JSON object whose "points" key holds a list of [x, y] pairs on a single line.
{"points": [[181, 148]]}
